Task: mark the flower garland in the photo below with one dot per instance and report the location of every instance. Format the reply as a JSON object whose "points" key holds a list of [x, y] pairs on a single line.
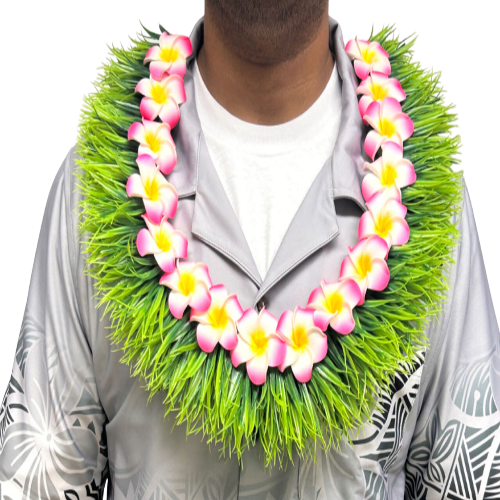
{"points": [[297, 338], [204, 388]]}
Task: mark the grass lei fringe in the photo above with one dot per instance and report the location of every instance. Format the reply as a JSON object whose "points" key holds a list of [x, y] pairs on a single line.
{"points": [[205, 390]]}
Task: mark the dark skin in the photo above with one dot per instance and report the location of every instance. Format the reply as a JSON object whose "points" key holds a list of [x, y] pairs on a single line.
{"points": [[266, 61]]}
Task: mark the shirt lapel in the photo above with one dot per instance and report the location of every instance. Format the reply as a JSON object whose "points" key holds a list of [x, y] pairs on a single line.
{"points": [[315, 223]]}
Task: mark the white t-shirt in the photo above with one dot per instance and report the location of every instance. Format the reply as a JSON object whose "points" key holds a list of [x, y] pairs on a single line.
{"points": [[266, 170]]}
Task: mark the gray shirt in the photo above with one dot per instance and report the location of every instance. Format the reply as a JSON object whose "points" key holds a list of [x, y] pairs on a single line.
{"points": [[73, 418]]}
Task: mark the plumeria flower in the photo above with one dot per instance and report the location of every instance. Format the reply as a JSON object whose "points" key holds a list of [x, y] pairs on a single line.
{"points": [[390, 172], [218, 323], [162, 98], [385, 217], [190, 283], [170, 56], [305, 342], [377, 87], [259, 346], [366, 265], [155, 140], [389, 124], [368, 56], [333, 303], [163, 241], [159, 196]]}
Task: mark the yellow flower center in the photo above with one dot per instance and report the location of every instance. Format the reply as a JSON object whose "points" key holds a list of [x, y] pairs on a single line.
{"points": [[186, 284], [159, 94], [259, 342], [164, 242], [368, 54], [153, 142], [169, 54], [218, 317], [299, 338], [388, 176], [383, 226], [152, 189], [387, 128], [364, 265], [379, 92], [334, 303]]}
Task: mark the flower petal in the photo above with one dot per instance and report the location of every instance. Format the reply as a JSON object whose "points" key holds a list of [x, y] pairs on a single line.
{"points": [[257, 369], [379, 276], [145, 243], [149, 108], [233, 308], [370, 185], [180, 244], [177, 302], [135, 187], [400, 232], [154, 209], [200, 299], [318, 345], [152, 54], [169, 112], [404, 125], [350, 292], [229, 338], [322, 319], [302, 368], [219, 295], [200, 270], [166, 261], [290, 357], [183, 44], [276, 350], [144, 87], [267, 321], [241, 353], [376, 247], [137, 132], [171, 280], [247, 322], [343, 322], [285, 323], [373, 142], [207, 337]]}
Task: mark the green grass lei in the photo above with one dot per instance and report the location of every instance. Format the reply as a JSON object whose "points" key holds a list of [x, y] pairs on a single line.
{"points": [[204, 390]]}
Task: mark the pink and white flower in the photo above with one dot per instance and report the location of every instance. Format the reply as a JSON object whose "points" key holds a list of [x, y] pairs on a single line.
{"points": [[305, 342], [189, 283], [389, 124], [159, 196], [390, 173], [163, 241], [162, 98], [386, 218], [333, 304], [169, 56], [218, 323], [368, 56], [155, 140], [259, 346], [366, 265], [377, 87]]}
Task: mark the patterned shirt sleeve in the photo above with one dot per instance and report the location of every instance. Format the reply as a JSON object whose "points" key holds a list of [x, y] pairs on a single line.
{"points": [[455, 448], [52, 424]]}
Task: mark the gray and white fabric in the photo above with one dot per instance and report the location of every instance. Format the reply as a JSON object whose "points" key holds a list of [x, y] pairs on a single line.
{"points": [[73, 418]]}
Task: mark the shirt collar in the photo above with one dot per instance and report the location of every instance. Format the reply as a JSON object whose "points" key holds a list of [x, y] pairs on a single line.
{"points": [[315, 223], [347, 158]]}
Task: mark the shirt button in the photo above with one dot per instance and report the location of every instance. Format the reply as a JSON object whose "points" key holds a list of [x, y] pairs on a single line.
{"points": [[261, 305]]}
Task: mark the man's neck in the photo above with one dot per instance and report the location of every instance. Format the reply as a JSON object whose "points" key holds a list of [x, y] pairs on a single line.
{"points": [[266, 94]]}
